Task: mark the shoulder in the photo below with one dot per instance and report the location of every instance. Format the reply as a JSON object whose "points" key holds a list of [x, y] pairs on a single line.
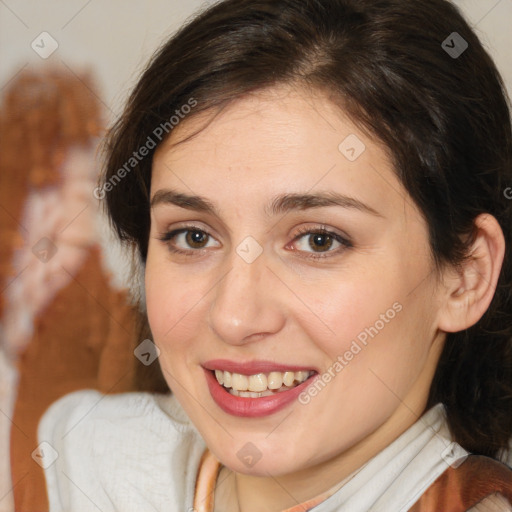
{"points": [[89, 404], [476, 484], [91, 415], [132, 451]]}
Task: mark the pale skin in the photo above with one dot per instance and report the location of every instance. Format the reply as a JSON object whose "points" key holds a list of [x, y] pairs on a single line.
{"points": [[209, 303]]}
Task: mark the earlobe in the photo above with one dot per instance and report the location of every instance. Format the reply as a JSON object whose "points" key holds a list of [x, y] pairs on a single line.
{"points": [[469, 289]]}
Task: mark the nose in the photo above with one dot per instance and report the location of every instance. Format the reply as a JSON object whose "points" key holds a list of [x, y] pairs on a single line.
{"points": [[245, 307]]}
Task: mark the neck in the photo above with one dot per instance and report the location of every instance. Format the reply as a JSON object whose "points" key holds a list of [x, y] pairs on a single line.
{"points": [[249, 493]]}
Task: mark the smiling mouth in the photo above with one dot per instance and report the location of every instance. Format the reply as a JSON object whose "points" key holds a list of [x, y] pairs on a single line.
{"points": [[260, 384]]}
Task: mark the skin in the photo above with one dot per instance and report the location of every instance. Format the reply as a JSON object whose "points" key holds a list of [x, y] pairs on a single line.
{"points": [[209, 303]]}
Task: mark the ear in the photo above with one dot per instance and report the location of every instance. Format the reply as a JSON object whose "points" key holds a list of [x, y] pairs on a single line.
{"points": [[469, 289]]}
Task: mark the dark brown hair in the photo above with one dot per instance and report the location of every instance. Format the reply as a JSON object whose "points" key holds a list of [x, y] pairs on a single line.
{"points": [[442, 112]]}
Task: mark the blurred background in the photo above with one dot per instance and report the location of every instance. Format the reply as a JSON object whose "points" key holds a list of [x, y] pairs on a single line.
{"points": [[67, 319]]}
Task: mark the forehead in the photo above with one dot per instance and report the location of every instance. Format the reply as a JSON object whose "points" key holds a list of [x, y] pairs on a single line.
{"points": [[276, 118], [276, 140]]}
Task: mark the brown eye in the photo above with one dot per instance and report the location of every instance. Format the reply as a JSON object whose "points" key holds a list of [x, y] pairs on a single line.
{"points": [[320, 242], [187, 240], [196, 239]]}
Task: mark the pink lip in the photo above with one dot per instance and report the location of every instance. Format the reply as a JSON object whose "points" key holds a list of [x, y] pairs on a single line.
{"points": [[253, 367], [252, 407]]}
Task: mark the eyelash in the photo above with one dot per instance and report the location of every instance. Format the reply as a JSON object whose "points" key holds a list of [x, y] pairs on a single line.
{"points": [[168, 236]]}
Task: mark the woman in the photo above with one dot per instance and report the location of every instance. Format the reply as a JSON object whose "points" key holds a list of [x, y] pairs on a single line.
{"points": [[316, 192]]}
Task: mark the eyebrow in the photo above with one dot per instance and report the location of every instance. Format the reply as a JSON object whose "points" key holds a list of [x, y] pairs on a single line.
{"points": [[281, 204]]}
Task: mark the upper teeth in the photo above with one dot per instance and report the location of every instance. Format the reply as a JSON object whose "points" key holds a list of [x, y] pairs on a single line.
{"points": [[260, 381]]}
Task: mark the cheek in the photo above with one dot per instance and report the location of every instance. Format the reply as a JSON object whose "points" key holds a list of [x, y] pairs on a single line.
{"points": [[374, 326], [177, 303], [356, 309], [171, 300]]}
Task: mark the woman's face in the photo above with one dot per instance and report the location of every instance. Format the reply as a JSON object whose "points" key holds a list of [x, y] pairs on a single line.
{"points": [[282, 246]]}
